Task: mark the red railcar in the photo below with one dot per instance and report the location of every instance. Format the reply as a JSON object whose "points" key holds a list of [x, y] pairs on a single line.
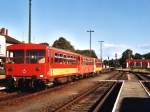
{"points": [[36, 64]]}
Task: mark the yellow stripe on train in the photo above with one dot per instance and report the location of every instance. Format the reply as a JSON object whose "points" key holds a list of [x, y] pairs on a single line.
{"points": [[60, 71], [99, 69]]}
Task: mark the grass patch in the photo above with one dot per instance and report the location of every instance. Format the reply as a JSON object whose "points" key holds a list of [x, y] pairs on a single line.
{"points": [[140, 70], [2, 72]]}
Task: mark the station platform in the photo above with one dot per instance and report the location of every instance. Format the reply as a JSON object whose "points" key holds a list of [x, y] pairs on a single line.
{"points": [[2, 76], [132, 98]]}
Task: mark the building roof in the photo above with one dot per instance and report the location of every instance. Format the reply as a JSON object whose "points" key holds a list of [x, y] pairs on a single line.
{"points": [[11, 40]]}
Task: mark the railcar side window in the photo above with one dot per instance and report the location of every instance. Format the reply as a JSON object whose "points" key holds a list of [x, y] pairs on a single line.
{"points": [[35, 56], [16, 56], [65, 59], [56, 58]]}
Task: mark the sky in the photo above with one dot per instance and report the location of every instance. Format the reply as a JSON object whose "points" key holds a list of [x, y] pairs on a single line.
{"points": [[121, 24]]}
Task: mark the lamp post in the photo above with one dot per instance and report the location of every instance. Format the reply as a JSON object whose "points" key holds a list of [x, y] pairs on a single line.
{"points": [[101, 50], [29, 21], [90, 31]]}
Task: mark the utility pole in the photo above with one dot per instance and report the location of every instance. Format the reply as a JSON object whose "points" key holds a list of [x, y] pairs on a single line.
{"points": [[108, 63], [29, 21], [90, 31], [101, 50], [116, 61]]}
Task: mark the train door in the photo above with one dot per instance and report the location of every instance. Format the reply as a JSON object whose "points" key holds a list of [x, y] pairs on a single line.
{"points": [[50, 62]]}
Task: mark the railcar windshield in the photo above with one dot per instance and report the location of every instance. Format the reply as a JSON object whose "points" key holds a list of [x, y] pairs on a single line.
{"points": [[26, 56], [35, 56]]}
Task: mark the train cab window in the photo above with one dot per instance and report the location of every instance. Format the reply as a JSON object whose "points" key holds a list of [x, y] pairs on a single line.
{"points": [[16, 56], [35, 56]]}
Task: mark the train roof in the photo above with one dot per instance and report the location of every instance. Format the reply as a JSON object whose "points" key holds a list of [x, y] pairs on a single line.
{"points": [[41, 46], [73, 53], [65, 51], [26, 46]]}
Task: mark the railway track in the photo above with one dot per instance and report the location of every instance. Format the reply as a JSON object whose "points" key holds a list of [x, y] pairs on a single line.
{"points": [[92, 100], [141, 77], [145, 82], [15, 98], [119, 76]]}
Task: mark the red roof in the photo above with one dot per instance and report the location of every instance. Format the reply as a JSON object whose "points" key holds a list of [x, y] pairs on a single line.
{"points": [[137, 60]]}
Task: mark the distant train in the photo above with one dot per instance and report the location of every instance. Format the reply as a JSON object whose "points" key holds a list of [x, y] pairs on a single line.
{"points": [[36, 65]]}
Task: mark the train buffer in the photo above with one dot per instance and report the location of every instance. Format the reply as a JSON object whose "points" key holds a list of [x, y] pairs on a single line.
{"points": [[132, 98]]}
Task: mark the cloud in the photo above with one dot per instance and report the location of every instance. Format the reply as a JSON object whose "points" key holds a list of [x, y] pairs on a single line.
{"points": [[144, 46], [114, 46], [110, 49]]}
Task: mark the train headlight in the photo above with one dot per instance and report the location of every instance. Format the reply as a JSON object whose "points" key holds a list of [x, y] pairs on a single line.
{"points": [[15, 79], [41, 76]]}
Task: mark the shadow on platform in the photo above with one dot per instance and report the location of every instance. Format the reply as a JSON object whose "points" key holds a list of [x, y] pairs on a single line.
{"points": [[134, 104]]}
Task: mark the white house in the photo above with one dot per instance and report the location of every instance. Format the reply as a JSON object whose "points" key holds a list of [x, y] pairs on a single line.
{"points": [[5, 40], [2, 46]]}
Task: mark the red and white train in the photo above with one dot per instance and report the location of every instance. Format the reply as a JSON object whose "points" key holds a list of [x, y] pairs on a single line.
{"points": [[36, 65]]}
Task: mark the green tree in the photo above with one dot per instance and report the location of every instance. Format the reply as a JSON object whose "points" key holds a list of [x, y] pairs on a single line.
{"points": [[87, 53], [146, 56], [137, 56], [127, 54], [62, 43], [112, 63]]}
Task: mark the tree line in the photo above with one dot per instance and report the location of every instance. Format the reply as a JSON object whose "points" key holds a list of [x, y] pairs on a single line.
{"points": [[127, 54], [62, 43]]}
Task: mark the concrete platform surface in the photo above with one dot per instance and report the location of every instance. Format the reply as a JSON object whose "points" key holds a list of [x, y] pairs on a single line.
{"points": [[2, 76], [132, 98]]}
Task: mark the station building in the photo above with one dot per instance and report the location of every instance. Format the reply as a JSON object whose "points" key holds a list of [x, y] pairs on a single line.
{"points": [[5, 40], [138, 63]]}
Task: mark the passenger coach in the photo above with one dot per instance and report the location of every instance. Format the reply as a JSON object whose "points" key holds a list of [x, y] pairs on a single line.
{"points": [[35, 65]]}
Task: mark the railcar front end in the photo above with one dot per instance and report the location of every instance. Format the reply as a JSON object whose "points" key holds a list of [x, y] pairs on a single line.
{"points": [[26, 65]]}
